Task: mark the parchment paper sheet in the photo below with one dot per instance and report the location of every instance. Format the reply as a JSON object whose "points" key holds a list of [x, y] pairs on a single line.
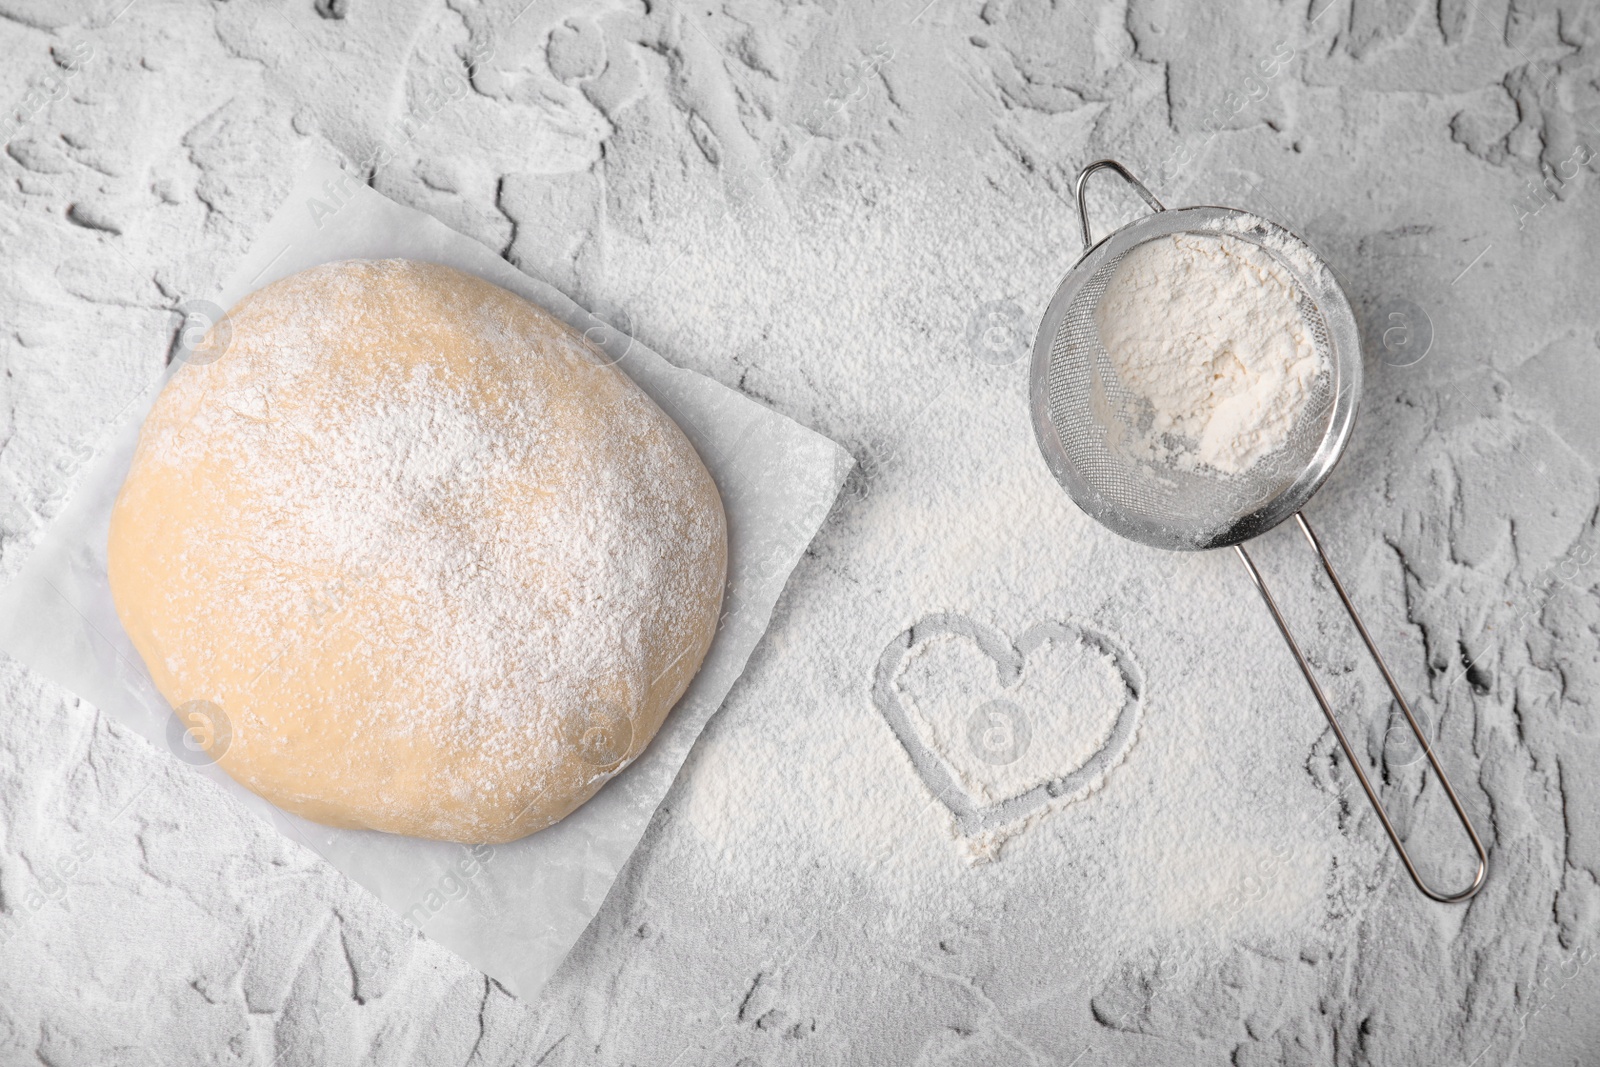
{"points": [[512, 910]]}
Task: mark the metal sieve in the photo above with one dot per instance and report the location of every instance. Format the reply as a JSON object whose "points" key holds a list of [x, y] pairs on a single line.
{"points": [[1090, 429]]}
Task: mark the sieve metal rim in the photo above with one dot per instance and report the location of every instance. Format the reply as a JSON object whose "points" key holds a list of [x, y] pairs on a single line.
{"points": [[1345, 367]]}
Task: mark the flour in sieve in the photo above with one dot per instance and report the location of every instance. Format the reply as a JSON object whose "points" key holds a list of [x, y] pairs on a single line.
{"points": [[1208, 329]]}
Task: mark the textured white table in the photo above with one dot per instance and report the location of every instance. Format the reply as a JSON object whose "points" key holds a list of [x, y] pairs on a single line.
{"points": [[839, 209]]}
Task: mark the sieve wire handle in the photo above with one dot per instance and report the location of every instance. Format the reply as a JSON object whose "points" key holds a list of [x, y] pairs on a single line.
{"points": [[1344, 742], [1127, 176]]}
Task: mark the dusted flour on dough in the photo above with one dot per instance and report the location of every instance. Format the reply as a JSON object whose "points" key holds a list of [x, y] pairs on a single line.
{"points": [[1209, 330], [442, 570]]}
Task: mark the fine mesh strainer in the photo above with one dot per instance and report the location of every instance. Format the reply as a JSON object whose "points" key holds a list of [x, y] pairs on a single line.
{"points": [[1090, 429]]}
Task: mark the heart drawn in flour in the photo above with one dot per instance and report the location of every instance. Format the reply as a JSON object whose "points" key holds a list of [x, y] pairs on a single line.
{"points": [[998, 729]]}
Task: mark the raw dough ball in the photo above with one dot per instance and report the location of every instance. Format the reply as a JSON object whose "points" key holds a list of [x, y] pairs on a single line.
{"points": [[433, 566]]}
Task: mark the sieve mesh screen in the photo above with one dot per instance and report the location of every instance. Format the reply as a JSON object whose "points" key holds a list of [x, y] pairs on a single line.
{"points": [[1098, 423]]}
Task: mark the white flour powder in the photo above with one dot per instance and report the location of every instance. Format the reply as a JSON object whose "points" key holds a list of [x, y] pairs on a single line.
{"points": [[1001, 742], [1209, 330]]}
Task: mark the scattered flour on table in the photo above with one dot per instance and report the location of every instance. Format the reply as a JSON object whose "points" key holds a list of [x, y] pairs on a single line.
{"points": [[963, 517], [1208, 329], [1000, 742]]}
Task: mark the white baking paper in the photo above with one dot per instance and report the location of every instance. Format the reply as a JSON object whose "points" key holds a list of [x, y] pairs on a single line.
{"points": [[512, 910]]}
